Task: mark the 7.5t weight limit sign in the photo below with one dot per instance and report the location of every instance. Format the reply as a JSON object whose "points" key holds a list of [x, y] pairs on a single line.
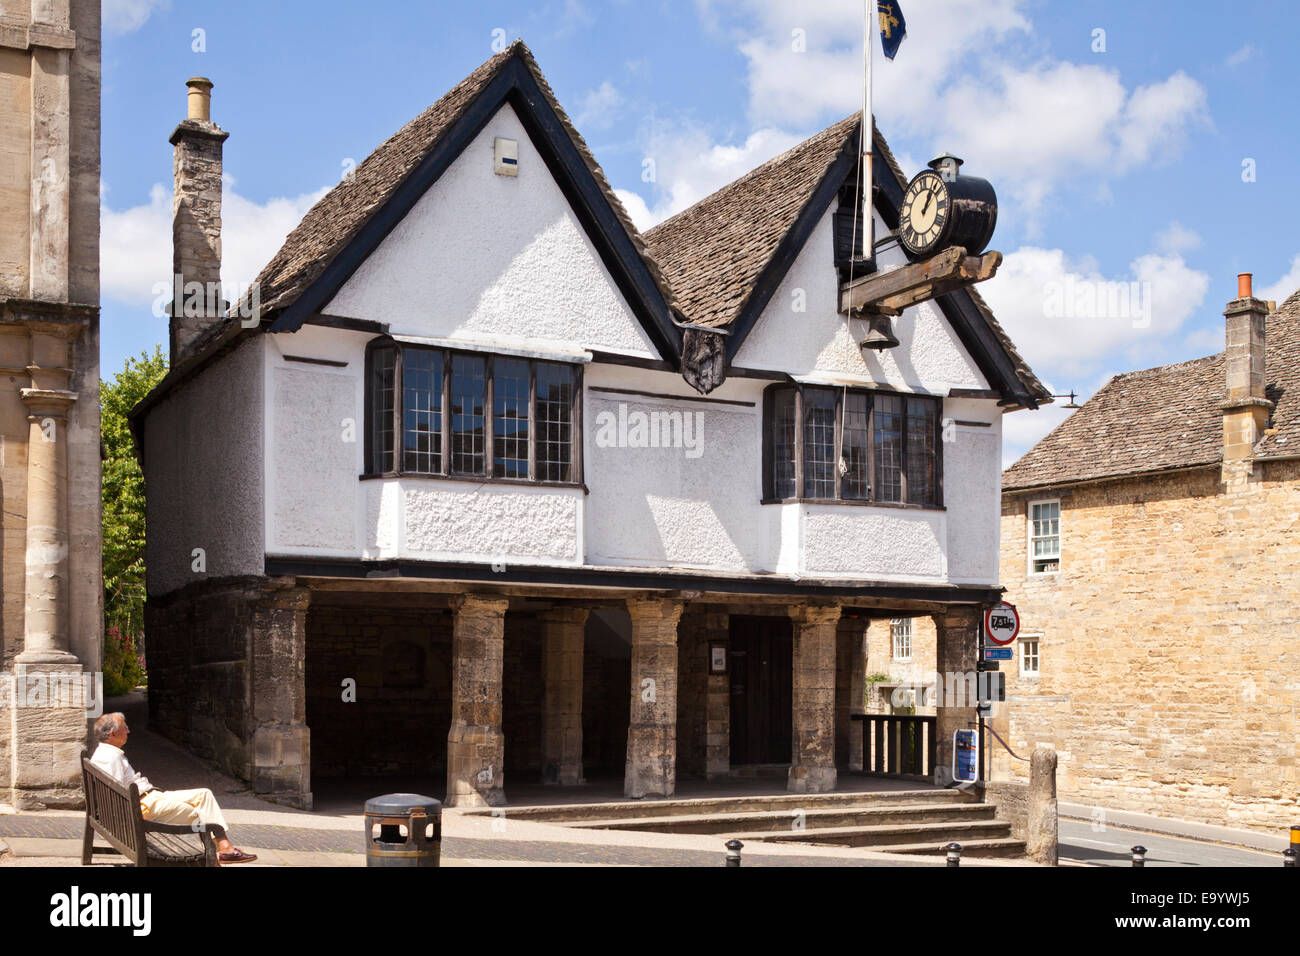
{"points": [[1002, 623]]}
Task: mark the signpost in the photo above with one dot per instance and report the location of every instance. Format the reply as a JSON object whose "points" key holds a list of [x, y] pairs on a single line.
{"points": [[1002, 623]]}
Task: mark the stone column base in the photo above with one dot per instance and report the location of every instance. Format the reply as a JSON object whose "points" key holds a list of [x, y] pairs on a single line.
{"points": [[47, 728], [281, 765], [474, 759]]}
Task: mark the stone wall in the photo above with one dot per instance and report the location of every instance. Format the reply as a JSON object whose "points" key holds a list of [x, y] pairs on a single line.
{"points": [[1168, 646]]}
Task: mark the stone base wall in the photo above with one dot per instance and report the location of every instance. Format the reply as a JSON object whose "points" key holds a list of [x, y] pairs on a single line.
{"points": [[1168, 646]]}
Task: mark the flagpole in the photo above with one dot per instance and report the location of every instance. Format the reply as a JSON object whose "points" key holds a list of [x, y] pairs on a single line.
{"points": [[868, 135]]}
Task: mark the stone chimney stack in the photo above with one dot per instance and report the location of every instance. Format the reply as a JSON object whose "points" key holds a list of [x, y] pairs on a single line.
{"points": [[1245, 413], [197, 304]]}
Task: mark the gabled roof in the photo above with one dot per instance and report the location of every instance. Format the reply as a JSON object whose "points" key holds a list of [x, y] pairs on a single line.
{"points": [[727, 254], [349, 221], [1167, 417]]}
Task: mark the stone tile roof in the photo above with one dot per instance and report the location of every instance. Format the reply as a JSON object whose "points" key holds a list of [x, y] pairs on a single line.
{"points": [[336, 218], [1167, 417], [713, 252]]}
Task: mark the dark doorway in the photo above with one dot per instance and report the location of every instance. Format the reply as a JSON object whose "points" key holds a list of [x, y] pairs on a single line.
{"points": [[762, 677]]}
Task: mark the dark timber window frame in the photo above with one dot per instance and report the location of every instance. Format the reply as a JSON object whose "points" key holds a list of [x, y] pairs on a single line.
{"points": [[374, 452], [773, 395]]}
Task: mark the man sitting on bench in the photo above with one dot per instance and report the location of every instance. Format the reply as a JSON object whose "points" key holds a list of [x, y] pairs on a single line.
{"points": [[162, 806]]}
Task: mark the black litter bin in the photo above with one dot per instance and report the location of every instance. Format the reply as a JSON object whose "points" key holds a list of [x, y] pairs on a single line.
{"points": [[403, 829]]}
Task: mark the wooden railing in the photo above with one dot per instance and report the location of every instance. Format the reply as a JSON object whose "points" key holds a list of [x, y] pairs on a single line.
{"points": [[895, 745]]}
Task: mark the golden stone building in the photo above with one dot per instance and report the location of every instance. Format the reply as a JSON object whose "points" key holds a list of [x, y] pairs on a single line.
{"points": [[1151, 543], [50, 629]]}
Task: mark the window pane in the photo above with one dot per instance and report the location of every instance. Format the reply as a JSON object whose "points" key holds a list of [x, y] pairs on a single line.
{"points": [[819, 443], [782, 443], [1045, 536], [510, 418], [856, 446], [888, 448], [922, 420], [382, 389], [421, 411], [468, 377], [555, 422]]}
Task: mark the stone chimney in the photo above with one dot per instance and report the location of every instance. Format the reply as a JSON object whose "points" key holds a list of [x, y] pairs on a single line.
{"points": [[197, 304], [1245, 413]]}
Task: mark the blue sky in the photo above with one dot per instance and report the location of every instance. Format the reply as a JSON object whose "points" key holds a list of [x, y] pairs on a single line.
{"points": [[1157, 153]]}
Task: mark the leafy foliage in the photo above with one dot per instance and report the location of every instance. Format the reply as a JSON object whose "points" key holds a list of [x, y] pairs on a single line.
{"points": [[123, 517]]}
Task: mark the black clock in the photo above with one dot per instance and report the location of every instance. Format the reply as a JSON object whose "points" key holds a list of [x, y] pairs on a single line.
{"points": [[942, 208]]}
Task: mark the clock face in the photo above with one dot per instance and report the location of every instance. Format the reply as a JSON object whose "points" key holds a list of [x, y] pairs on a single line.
{"points": [[923, 220]]}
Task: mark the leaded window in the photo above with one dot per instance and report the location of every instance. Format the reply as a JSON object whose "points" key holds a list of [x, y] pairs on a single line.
{"points": [[472, 415]]}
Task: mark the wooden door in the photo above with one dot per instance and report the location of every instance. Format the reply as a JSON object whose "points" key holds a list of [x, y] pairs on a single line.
{"points": [[762, 674]]}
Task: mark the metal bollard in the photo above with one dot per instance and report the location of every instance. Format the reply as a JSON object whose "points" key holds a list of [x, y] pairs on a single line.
{"points": [[1295, 838], [954, 854], [1289, 856], [1139, 855], [733, 852]]}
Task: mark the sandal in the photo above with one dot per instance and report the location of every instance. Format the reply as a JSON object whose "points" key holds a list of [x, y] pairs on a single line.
{"points": [[236, 856]]}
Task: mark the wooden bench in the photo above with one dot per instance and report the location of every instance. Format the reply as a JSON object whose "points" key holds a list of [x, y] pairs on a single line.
{"points": [[113, 812]]}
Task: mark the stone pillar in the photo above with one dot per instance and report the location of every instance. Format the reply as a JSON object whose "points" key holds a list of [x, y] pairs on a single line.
{"points": [[850, 674], [562, 643], [475, 744], [280, 752], [812, 758], [717, 705], [956, 650], [652, 728], [1041, 829]]}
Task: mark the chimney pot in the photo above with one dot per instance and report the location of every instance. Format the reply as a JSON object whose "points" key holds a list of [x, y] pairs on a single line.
{"points": [[1243, 285], [199, 98]]}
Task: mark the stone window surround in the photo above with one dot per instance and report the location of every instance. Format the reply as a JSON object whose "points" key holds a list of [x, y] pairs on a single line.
{"points": [[1029, 536], [1022, 647]]}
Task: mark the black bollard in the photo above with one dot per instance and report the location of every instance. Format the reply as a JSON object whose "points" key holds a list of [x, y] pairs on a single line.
{"points": [[1139, 856], [954, 854], [1289, 856], [733, 852]]}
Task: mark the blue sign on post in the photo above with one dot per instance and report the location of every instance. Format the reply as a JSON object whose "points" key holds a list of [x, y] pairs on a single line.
{"points": [[965, 753], [997, 653]]}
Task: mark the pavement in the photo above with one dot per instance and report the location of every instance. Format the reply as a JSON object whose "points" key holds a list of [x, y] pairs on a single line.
{"points": [[333, 833]]}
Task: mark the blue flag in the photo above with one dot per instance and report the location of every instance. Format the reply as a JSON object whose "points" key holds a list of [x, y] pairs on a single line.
{"points": [[892, 26]]}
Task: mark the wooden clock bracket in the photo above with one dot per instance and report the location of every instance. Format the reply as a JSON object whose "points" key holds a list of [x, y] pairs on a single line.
{"points": [[889, 293]]}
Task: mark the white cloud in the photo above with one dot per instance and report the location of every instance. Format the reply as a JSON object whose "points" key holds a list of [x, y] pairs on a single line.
{"points": [[1067, 318], [979, 86], [600, 107], [1284, 287], [689, 165], [1241, 55], [636, 208], [1176, 239], [127, 16], [1022, 430], [136, 243]]}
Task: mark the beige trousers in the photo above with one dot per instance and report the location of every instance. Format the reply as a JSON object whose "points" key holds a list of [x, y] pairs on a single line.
{"points": [[185, 807]]}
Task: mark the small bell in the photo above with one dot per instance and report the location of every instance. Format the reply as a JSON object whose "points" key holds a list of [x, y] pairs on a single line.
{"points": [[880, 334]]}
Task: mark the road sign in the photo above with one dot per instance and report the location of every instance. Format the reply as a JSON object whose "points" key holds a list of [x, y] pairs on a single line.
{"points": [[1002, 623], [997, 653]]}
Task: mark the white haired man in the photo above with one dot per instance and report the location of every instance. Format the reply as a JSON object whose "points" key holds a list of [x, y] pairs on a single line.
{"points": [[162, 806]]}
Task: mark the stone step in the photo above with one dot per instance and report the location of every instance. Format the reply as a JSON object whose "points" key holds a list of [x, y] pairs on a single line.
{"points": [[1001, 848], [773, 821], [639, 809], [903, 834]]}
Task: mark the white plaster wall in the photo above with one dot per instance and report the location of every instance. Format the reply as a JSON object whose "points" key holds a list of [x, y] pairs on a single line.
{"points": [[482, 256], [876, 543], [513, 524], [929, 357], [972, 480], [204, 474]]}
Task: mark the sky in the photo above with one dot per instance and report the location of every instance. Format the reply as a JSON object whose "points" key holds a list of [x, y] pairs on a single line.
{"points": [[1141, 152]]}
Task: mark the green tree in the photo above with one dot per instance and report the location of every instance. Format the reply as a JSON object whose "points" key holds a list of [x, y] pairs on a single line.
{"points": [[123, 510]]}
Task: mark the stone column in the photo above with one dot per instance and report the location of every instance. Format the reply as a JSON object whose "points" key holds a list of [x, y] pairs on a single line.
{"points": [[812, 758], [652, 729], [475, 744], [1041, 829], [280, 755], [717, 707], [850, 673], [562, 644], [956, 648]]}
